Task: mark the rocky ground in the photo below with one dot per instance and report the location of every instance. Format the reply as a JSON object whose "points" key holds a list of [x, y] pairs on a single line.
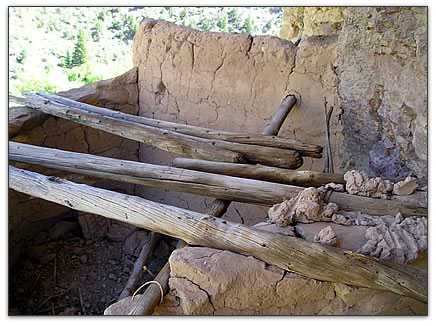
{"points": [[62, 273]]}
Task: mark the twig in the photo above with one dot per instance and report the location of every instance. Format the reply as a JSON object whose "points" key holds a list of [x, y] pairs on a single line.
{"points": [[55, 271], [145, 269], [52, 308], [81, 301], [52, 297], [36, 281]]}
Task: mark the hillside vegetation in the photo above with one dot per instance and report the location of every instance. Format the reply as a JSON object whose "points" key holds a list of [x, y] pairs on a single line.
{"points": [[58, 48]]}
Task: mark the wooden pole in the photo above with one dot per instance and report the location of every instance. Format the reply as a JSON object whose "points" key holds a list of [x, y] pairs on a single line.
{"points": [[200, 183], [174, 142], [261, 172], [143, 259], [169, 141], [269, 140], [296, 255]]}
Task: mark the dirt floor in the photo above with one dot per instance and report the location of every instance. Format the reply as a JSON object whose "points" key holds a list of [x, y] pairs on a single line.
{"points": [[73, 276]]}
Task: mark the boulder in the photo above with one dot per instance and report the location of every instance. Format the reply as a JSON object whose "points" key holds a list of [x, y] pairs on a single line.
{"points": [[208, 281]]}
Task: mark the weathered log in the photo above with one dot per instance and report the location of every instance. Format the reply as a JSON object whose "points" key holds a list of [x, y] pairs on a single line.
{"points": [[261, 172], [152, 295], [219, 206], [269, 140], [201, 183], [144, 258], [303, 257], [169, 141]]}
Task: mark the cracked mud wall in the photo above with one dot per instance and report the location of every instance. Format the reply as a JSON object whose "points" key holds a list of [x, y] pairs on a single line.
{"points": [[28, 215], [233, 82]]}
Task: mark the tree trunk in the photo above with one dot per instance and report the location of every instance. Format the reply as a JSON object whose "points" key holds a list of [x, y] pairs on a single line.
{"points": [[200, 183], [261, 172], [269, 140], [303, 257], [170, 141]]}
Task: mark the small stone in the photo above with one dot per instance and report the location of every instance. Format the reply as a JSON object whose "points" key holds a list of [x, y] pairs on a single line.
{"points": [[326, 236], [112, 276], [406, 187], [134, 242], [83, 258], [112, 262], [126, 270]]}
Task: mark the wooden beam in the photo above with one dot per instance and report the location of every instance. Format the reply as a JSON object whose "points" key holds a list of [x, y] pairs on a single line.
{"points": [[172, 142], [201, 183], [293, 254], [261, 172], [267, 139]]}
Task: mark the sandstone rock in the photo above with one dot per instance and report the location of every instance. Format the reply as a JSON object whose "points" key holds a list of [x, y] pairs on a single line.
{"points": [[382, 57], [348, 237], [22, 118], [135, 242], [208, 281], [60, 229], [358, 183], [310, 21], [326, 237], [119, 231], [402, 241], [406, 187], [308, 206], [122, 307]]}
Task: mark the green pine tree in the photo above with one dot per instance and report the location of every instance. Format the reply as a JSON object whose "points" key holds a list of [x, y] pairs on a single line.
{"points": [[249, 26], [80, 53], [223, 22], [67, 60]]}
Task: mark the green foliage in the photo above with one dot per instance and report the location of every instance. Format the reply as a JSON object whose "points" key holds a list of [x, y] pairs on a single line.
{"points": [[83, 74], [249, 26], [68, 61], [22, 56], [37, 85], [206, 24], [49, 49], [80, 53], [223, 23]]}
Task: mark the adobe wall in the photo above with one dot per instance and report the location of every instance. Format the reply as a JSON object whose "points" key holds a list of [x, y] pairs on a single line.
{"points": [[233, 82]]}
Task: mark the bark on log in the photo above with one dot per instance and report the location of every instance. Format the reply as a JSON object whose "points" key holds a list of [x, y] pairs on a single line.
{"points": [[261, 172], [201, 183], [303, 257], [144, 259], [268, 140], [170, 141]]}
